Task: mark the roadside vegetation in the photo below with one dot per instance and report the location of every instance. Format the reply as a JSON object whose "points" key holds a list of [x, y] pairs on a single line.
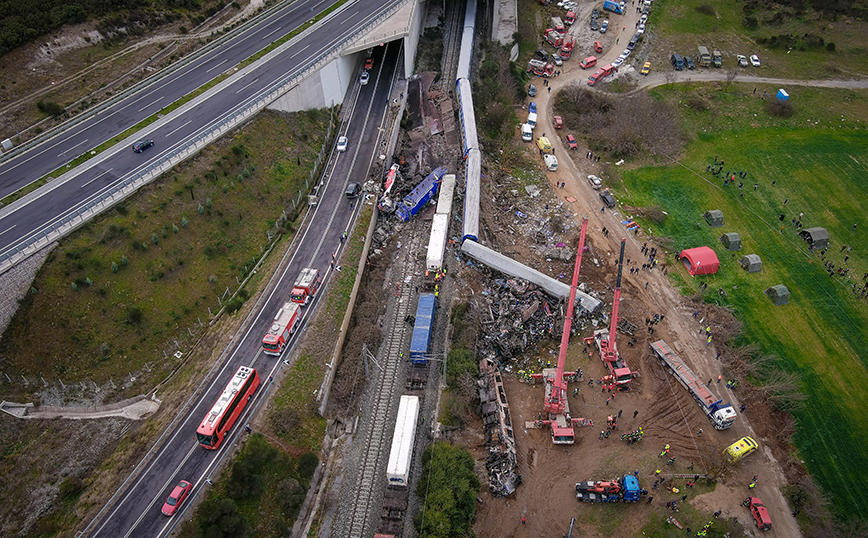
{"points": [[261, 495]]}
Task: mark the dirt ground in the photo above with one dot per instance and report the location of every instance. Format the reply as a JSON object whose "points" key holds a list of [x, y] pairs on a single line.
{"points": [[666, 412]]}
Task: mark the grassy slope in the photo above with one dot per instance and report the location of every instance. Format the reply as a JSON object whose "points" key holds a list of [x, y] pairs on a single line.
{"points": [[59, 333], [821, 170]]}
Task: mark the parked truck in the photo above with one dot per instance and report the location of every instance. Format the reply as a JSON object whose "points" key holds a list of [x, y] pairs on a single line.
{"points": [[403, 439], [558, 25], [567, 48], [555, 38], [540, 68], [282, 328], [305, 286], [421, 342], [614, 7], [717, 59], [703, 56], [722, 415], [625, 489]]}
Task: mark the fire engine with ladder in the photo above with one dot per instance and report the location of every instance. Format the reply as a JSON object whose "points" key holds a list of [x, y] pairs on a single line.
{"points": [[556, 406]]}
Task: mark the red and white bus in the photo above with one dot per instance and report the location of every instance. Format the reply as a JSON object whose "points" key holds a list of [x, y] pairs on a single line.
{"points": [[225, 412]]}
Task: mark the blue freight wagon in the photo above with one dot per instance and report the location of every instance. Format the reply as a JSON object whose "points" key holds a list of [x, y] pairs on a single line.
{"points": [[418, 197], [423, 328]]}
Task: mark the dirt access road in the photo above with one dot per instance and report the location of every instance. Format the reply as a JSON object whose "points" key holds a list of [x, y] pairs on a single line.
{"points": [[666, 412]]}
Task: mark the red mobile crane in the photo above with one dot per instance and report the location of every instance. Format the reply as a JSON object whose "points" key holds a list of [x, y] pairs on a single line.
{"points": [[556, 404], [619, 372]]}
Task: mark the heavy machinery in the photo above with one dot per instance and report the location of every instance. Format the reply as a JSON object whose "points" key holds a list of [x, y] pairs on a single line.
{"points": [[722, 415], [619, 372], [556, 406], [625, 490]]}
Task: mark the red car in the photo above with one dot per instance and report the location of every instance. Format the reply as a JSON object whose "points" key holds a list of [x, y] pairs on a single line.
{"points": [[760, 515], [571, 142], [559, 122], [369, 63], [177, 497]]}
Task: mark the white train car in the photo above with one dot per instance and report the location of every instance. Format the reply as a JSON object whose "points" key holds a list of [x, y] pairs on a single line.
{"points": [[398, 470], [444, 199], [472, 174], [466, 114], [437, 243], [466, 53]]}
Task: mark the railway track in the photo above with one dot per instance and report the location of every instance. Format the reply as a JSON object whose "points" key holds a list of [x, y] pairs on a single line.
{"points": [[375, 442], [453, 27]]}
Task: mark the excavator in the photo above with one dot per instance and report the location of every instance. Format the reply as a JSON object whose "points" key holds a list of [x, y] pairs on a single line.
{"points": [[556, 407]]}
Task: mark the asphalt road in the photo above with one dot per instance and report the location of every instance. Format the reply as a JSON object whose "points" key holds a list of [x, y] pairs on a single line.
{"points": [[17, 226], [177, 456]]}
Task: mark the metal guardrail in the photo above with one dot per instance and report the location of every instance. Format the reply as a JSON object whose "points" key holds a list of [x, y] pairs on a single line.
{"points": [[128, 185], [154, 78]]}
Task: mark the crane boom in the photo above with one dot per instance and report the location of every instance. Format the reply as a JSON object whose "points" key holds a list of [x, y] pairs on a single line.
{"points": [[556, 401], [610, 352]]}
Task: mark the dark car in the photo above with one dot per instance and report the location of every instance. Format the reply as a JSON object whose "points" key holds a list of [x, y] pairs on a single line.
{"points": [[353, 190], [142, 145], [607, 198], [689, 61], [542, 55], [594, 25], [595, 14], [176, 498], [571, 142]]}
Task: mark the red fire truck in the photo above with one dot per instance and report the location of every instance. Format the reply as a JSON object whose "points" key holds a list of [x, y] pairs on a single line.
{"points": [[305, 286], [281, 329]]}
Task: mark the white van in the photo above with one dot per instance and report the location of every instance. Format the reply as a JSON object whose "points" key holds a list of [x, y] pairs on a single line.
{"points": [[551, 162], [531, 119], [526, 132]]}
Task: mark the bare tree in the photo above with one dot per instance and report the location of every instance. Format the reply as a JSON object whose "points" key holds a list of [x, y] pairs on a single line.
{"points": [[730, 77]]}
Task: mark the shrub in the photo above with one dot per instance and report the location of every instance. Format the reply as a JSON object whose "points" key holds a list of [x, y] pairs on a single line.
{"points": [[234, 305], [134, 315], [705, 9], [830, 46], [114, 267], [184, 222], [155, 238], [208, 203], [51, 108], [782, 109], [307, 464]]}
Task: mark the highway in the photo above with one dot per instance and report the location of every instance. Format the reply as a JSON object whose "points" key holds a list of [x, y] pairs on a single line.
{"points": [[59, 198], [135, 509]]}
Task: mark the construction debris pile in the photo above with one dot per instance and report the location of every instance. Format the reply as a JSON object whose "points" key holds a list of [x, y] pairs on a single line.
{"points": [[501, 464], [520, 315]]}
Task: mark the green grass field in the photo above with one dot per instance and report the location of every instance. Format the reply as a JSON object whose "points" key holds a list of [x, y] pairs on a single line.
{"points": [[820, 168]]}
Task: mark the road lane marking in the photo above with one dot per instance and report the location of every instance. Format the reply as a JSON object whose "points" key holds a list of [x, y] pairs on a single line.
{"points": [[300, 51], [63, 152], [216, 66], [154, 103], [247, 85], [7, 229], [97, 177], [181, 127], [271, 32]]}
